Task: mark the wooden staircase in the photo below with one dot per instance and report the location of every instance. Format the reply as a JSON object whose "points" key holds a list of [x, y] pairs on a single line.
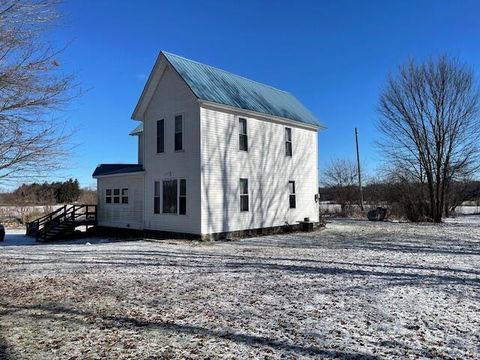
{"points": [[62, 223]]}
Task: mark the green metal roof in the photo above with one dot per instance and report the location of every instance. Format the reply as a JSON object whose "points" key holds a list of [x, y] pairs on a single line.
{"points": [[221, 87]]}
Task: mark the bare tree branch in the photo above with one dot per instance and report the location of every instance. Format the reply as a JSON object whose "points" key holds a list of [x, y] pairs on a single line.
{"points": [[32, 88], [430, 126]]}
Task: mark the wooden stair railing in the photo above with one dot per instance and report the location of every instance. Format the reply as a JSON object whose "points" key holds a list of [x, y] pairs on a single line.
{"points": [[62, 221]]}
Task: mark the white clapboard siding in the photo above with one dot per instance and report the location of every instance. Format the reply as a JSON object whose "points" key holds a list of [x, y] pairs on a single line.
{"points": [[265, 165], [173, 97], [121, 215]]}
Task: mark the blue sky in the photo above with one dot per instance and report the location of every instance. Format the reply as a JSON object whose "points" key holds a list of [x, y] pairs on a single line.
{"points": [[333, 55]]}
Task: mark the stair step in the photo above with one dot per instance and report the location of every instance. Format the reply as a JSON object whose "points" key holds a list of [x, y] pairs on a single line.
{"points": [[63, 222]]}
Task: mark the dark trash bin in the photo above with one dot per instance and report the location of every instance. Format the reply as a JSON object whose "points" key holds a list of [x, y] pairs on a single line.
{"points": [[2, 232], [378, 214], [307, 225]]}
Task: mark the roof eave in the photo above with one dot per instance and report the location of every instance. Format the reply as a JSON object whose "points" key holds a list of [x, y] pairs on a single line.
{"points": [[261, 115], [119, 174]]}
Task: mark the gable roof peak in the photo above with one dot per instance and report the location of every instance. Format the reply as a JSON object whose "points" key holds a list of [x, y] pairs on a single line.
{"points": [[218, 86]]}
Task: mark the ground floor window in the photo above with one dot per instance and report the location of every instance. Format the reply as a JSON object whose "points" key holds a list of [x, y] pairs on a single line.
{"points": [[156, 198], [173, 198], [116, 196], [243, 194], [182, 198], [170, 196], [291, 194], [124, 196], [108, 196]]}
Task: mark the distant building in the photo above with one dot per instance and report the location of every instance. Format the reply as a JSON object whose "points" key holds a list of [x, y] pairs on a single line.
{"points": [[217, 153]]}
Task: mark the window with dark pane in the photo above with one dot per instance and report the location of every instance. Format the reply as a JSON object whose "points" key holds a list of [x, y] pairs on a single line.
{"points": [[116, 196], [243, 194], [288, 141], [156, 198], [108, 196], [170, 196], [243, 137], [124, 196], [178, 132], [160, 136], [291, 193], [182, 199]]}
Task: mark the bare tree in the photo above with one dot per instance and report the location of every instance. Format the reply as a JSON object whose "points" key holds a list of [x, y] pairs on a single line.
{"points": [[340, 178], [88, 196], [32, 88], [430, 126]]}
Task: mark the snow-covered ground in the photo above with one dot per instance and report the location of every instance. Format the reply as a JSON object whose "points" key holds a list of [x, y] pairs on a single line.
{"points": [[355, 290]]}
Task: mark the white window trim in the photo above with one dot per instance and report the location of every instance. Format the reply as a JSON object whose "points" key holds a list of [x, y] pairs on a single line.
{"points": [[119, 196], [295, 193], [122, 196], [238, 134], [288, 141], [164, 143], [160, 197], [240, 195], [110, 196], [186, 196]]}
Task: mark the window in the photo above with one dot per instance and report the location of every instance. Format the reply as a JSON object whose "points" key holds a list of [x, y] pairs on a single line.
{"points": [[116, 196], [160, 136], [243, 194], [178, 132], [124, 196], [291, 194], [156, 198], [108, 196], [242, 131], [170, 196], [182, 198], [288, 141]]}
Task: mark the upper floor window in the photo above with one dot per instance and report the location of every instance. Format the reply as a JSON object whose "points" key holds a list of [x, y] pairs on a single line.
{"points": [[178, 132], [170, 196], [291, 195], [182, 197], [160, 136], [156, 197], [124, 196], [243, 137], [243, 194], [288, 141]]}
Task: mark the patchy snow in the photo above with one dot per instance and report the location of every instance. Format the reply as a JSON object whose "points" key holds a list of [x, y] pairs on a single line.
{"points": [[355, 289]]}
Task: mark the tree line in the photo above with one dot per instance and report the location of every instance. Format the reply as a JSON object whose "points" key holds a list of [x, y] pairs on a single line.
{"points": [[46, 193], [403, 199]]}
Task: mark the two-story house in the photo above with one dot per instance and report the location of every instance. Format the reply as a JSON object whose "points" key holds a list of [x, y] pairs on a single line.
{"points": [[217, 153]]}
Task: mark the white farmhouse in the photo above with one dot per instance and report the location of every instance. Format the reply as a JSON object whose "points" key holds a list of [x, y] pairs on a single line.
{"points": [[217, 154]]}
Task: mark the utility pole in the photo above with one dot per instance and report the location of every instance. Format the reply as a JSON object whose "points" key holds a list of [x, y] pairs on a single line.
{"points": [[358, 170]]}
